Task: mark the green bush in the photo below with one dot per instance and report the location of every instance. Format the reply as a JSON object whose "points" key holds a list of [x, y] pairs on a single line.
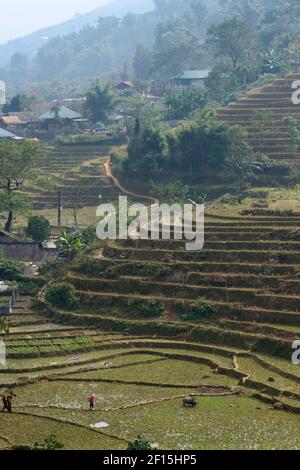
{"points": [[204, 309], [140, 444], [147, 309], [30, 284], [38, 228], [50, 443], [11, 270], [48, 266], [62, 295], [92, 139], [89, 235]]}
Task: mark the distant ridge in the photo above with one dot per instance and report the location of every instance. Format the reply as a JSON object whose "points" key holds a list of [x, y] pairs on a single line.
{"points": [[30, 43]]}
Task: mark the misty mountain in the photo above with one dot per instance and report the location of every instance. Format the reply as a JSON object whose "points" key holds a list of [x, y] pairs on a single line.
{"points": [[30, 43]]}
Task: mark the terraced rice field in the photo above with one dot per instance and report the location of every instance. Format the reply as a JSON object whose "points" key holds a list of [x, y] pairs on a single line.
{"points": [[269, 137], [74, 172], [237, 362], [139, 379]]}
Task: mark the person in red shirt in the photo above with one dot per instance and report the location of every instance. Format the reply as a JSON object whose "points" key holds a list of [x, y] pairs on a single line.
{"points": [[91, 399]]}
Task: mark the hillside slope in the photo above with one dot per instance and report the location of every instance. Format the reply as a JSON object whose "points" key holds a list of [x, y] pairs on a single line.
{"points": [[30, 43], [262, 112]]}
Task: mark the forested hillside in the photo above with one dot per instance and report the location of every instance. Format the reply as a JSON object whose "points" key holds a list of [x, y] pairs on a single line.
{"points": [[30, 43], [107, 45], [239, 40]]}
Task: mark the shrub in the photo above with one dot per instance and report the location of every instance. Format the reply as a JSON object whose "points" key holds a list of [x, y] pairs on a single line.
{"points": [[48, 266], [50, 443], [140, 444], [38, 228], [30, 284], [147, 309], [62, 295], [89, 235], [204, 309], [11, 270], [92, 139]]}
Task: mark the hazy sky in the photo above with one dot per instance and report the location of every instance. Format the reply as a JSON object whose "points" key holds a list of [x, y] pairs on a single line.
{"points": [[19, 17]]}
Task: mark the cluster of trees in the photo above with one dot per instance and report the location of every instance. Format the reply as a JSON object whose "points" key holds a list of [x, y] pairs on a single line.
{"points": [[238, 39], [110, 45], [184, 101], [178, 40], [100, 101], [254, 37], [20, 102], [239, 42], [202, 146]]}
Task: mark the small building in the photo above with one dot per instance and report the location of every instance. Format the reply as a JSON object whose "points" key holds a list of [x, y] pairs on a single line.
{"points": [[124, 85], [58, 116], [27, 119], [4, 134], [190, 78], [29, 252], [11, 122], [60, 112]]}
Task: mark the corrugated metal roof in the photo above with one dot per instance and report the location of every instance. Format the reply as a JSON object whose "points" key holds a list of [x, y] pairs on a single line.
{"points": [[6, 135], [193, 75], [62, 112]]}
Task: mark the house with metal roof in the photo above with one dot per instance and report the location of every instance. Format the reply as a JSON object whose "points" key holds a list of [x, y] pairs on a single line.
{"points": [[4, 134], [60, 112], [59, 116], [190, 78]]}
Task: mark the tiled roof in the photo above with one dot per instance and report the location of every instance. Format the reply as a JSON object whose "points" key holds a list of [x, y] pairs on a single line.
{"points": [[11, 120]]}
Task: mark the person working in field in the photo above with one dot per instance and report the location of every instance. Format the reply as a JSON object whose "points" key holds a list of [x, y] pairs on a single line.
{"points": [[91, 399], [4, 401], [7, 402]]}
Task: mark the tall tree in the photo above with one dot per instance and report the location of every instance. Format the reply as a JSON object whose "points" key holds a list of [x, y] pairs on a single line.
{"points": [[233, 39], [100, 101], [16, 164], [199, 10], [142, 63], [181, 103], [248, 10]]}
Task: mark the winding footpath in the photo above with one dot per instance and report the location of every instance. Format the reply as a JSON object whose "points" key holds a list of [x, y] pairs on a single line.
{"points": [[119, 185]]}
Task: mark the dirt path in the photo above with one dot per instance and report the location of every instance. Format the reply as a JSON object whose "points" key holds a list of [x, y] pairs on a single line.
{"points": [[118, 184]]}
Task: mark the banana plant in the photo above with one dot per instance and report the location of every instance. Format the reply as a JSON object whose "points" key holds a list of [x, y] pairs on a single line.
{"points": [[3, 327], [70, 244]]}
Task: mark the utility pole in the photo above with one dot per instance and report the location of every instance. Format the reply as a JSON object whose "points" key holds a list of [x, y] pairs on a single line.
{"points": [[59, 209]]}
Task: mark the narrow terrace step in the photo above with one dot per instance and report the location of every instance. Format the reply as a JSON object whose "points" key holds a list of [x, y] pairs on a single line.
{"points": [[96, 300], [209, 267], [246, 296]]}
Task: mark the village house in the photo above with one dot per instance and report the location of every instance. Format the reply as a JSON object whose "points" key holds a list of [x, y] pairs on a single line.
{"points": [[190, 78], [11, 122], [23, 120], [124, 86], [59, 116], [4, 134]]}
